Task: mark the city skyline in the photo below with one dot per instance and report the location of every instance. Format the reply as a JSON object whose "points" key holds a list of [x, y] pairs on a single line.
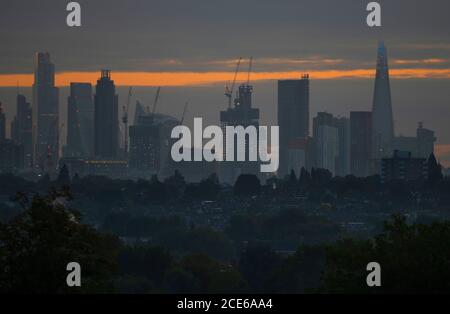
{"points": [[381, 70], [331, 147], [254, 149], [158, 46]]}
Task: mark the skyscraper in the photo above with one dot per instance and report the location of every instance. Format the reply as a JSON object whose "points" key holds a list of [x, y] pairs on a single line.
{"points": [[403, 166], [150, 138], [326, 141], [45, 114], [343, 158], [2, 124], [360, 143], [21, 129], [425, 141], [145, 142], [80, 121], [106, 125], [382, 118], [242, 114], [293, 116]]}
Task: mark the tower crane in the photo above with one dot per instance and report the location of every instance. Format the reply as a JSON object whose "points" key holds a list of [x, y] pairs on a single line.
{"points": [[229, 91], [125, 119], [184, 112], [155, 102], [250, 66]]}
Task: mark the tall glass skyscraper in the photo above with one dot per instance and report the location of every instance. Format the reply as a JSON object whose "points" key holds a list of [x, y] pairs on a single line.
{"points": [[45, 114], [382, 118], [293, 116], [106, 119], [80, 121], [21, 128]]}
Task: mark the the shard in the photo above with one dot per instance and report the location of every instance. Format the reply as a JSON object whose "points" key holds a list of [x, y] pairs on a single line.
{"points": [[382, 119]]}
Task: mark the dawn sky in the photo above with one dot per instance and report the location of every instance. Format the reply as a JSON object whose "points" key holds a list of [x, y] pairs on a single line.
{"points": [[191, 47]]}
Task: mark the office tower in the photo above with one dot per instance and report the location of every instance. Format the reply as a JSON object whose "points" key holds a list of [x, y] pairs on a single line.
{"points": [[310, 153], [343, 158], [425, 142], [293, 116], [45, 123], [360, 143], [403, 166], [421, 146], [106, 120], [326, 141], [242, 114], [2, 124], [297, 155], [405, 144], [382, 119], [21, 129], [80, 121], [144, 142], [150, 136]]}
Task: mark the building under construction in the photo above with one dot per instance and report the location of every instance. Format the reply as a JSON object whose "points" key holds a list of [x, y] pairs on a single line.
{"points": [[149, 142], [239, 113]]}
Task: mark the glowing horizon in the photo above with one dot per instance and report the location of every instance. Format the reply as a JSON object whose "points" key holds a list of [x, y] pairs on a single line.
{"points": [[127, 78]]}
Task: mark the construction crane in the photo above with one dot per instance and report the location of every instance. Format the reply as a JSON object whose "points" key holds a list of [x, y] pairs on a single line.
{"points": [[229, 91], [250, 66], [184, 112], [125, 118], [155, 102]]}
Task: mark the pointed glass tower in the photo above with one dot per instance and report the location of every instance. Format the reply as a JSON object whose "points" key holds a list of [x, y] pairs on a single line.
{"points": [[382, 119]]}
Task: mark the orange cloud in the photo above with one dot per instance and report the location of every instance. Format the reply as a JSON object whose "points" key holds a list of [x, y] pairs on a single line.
{"points": [[421, 61], [209, 78]]}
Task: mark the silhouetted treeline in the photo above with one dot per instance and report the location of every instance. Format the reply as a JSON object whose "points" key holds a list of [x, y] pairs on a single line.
{"points": [[36, 246]]}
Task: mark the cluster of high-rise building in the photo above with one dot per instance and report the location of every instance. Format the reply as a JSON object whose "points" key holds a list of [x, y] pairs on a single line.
{"points": [[362, 144], [93, 131]]}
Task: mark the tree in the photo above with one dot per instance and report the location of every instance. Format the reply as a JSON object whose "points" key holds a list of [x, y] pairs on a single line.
{"points": [[247, 185], [320, 177], [63, 177], [257, 264], [292, 178], [149, 262], [207, 189], [298, 273], [305, 177], [175, 184], [210, 186], [76, 178], [242, 228], [157, 191], [37, 245], [413, 258], [44, 182], [434, 170], [198, 273]]}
